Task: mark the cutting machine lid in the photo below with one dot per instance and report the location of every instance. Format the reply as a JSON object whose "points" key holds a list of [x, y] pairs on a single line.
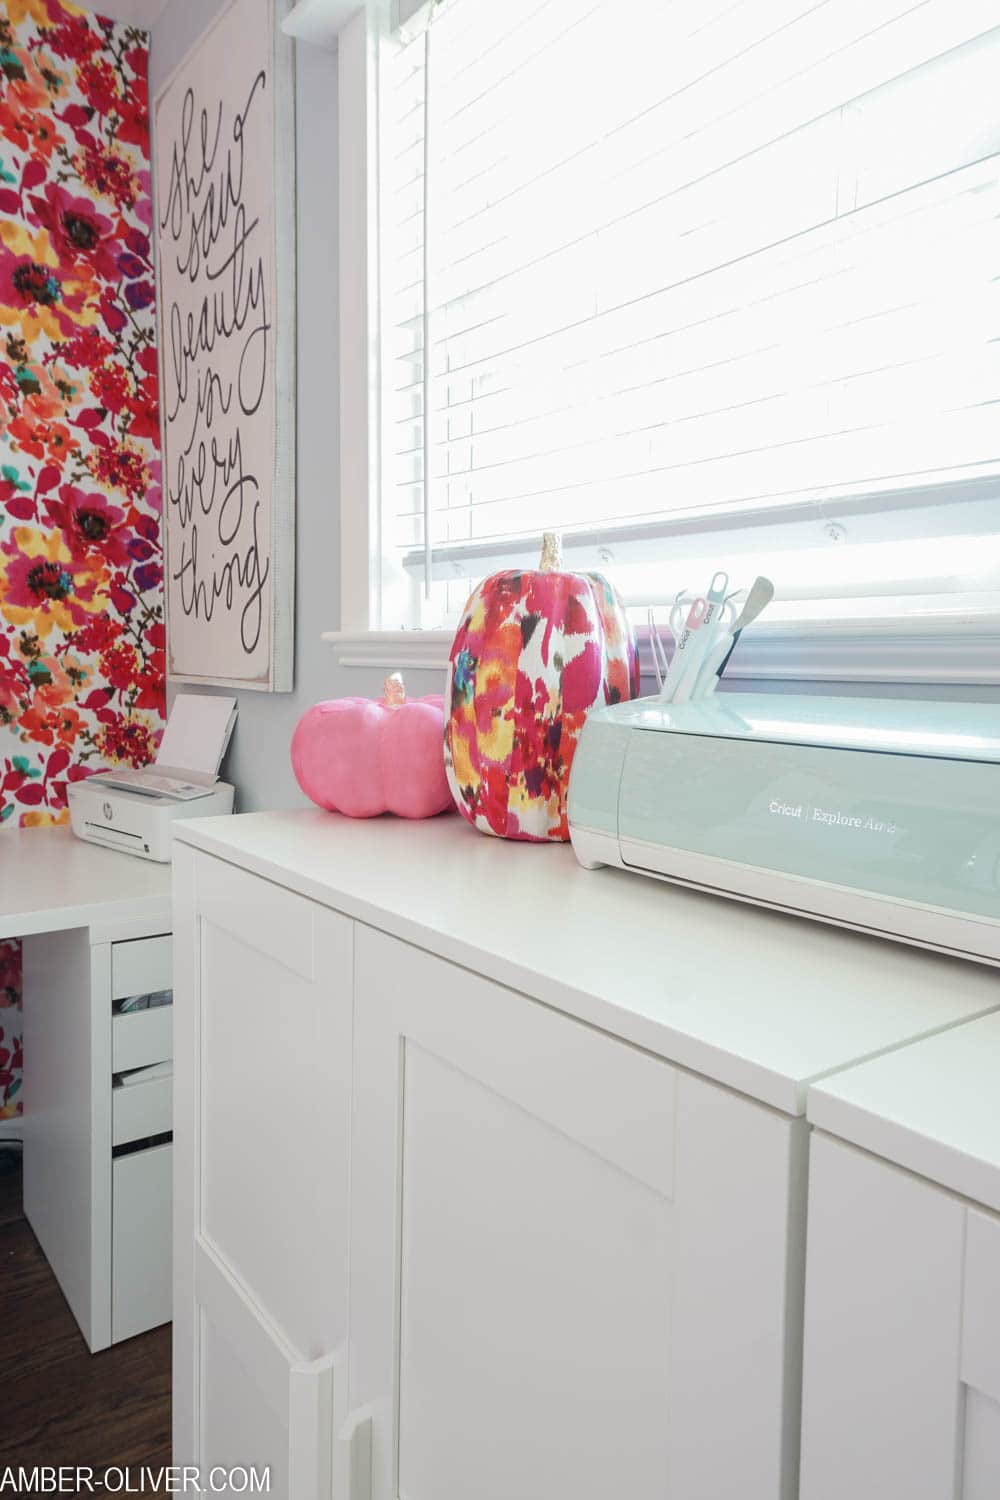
{"points": [[946, 731]]}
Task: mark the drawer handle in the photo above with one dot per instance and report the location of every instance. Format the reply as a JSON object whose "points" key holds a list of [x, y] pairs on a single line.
{"points": [[354, 1457]]}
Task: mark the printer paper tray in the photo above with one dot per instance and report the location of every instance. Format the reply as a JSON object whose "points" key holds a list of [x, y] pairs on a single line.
{"points": [[113, 838]]}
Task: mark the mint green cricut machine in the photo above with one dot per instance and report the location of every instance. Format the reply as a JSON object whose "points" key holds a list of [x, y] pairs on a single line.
{"points": [[878, 815]]}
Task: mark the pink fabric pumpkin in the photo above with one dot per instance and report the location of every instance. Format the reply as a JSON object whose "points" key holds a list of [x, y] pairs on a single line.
{"points": [[362, 757], [535, 650]]}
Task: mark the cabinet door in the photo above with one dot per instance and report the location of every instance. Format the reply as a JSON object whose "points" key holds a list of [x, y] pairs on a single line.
{"points": [[901, 1391], [570, 1268], [262, 1060]]}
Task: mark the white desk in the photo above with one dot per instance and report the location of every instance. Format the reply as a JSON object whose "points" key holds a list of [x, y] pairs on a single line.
{"points": [[95, 927], [51, 881]]}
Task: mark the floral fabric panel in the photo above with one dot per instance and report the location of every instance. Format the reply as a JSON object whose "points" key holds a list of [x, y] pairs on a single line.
{"points": [[533, 653], [81, 583]]}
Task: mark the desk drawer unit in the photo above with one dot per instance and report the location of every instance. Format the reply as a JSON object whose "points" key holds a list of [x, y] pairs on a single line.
{"points": [[96, 1187], [141, 1037]]}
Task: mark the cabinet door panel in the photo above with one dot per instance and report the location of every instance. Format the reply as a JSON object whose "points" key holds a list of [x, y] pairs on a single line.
{"points": [[275, 1084], [262, 1067], [883, 1296], [264, 917], [739, 1210], [521, 1310], [901, 1371], [526, 1230], [981, 1305], [981, 1458]]}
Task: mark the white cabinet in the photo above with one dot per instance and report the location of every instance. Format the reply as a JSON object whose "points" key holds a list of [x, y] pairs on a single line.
{"points": [[902, 1326], [902, 1365], [490, 1172], [569, 1261], [263, 1042]]}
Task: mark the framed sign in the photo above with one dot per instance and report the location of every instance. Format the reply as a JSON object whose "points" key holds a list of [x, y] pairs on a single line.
{"points": [[224, 189]]}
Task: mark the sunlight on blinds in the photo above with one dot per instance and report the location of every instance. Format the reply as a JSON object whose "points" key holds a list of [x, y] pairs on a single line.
{"points": [[684, 278]]}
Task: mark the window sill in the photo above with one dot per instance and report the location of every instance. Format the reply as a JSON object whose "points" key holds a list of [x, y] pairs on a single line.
{"points": [[410, 650], [954, 654]]}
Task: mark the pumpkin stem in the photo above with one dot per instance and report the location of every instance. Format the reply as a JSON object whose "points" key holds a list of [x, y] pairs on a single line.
{"points": [[394, 691], [551, 560]]}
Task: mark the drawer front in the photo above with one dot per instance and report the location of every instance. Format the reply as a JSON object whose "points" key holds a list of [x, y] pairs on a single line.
{"points": [[147, 1036], [141, 966], [140, 1241], [141, 1109]]}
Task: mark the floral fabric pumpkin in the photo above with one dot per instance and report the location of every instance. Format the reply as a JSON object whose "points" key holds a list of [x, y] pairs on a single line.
{"points": [[533, 653], [363, 757]]}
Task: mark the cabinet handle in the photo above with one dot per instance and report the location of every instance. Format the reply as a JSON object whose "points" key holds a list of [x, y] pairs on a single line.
{"points": [[354, 1457]]}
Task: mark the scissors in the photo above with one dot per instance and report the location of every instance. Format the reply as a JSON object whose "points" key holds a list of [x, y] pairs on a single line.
{"points": [[695, 627]]}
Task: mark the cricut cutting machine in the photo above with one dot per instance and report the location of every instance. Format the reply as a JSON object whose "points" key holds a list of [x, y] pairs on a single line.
{"points": [[879, 815], [134, 809]]}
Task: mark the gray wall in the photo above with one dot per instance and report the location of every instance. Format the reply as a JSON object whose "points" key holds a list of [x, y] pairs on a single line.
{"points": [[258, 762]]}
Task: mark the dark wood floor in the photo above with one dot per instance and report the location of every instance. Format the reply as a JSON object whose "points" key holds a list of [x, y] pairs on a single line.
{"points": [[60, 1404]]}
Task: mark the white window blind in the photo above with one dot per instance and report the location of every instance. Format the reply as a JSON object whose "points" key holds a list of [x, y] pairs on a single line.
{"points": [[698, 283]]}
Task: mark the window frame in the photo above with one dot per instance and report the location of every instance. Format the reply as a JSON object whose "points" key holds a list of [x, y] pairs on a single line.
{"points": [[960, 652]]}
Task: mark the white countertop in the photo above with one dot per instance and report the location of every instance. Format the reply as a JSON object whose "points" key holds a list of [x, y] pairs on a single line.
{"points": [[933, 1108], [762, 1002], [50, 880]]}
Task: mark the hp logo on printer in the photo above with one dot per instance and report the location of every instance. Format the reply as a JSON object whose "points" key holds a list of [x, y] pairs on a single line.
{"points": [[108, 811]]}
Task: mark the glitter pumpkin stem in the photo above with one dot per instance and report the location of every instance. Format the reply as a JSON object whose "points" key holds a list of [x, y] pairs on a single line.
{"points": [[394, 691], [551, 559]]}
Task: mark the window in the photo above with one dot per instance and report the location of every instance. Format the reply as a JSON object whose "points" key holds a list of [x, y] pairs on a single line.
{"points": [[698, 283]]}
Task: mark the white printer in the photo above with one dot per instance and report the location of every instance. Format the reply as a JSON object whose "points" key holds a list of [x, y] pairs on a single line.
{"points": [[134, 810]]}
